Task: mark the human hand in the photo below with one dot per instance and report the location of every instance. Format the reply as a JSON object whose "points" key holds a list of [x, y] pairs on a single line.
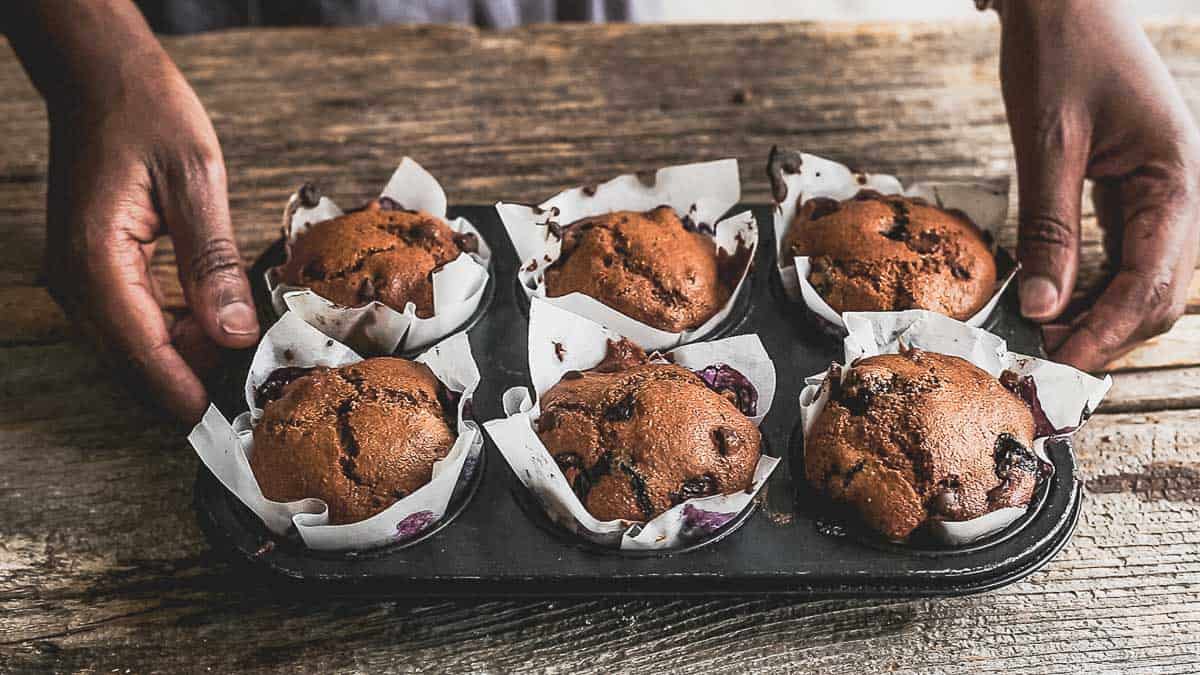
{"points": [[128, 164], [1087, 96]]}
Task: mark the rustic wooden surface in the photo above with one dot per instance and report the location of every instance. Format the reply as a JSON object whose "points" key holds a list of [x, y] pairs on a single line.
{"points": [[102, 567]]}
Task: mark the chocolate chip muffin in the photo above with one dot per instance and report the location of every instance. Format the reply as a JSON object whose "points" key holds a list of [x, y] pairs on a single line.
{"points": [[887, 253], [359, 437], [380, 252], [651, 266], [918, 436], [635, 438]]}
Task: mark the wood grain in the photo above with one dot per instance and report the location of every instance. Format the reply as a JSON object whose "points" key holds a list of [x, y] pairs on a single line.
{"points": [[102, 566]]}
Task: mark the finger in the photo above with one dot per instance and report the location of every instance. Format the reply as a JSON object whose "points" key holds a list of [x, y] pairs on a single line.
{"points": [[131, 325], [1050, 167], [1149, 292], [195, 205], [197, 350]]}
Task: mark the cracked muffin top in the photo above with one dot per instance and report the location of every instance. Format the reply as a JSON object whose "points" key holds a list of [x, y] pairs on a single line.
{"points": [[918, 436], [635, 438], [380, 252], [887, 253], [648, 266], [359, 437]]}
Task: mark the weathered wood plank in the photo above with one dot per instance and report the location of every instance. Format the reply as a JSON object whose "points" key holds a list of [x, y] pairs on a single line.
{"points": [[1178, 347], [597, 93], [1149, 390]]}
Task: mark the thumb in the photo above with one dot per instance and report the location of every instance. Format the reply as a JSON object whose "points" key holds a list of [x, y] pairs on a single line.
{"points": [[1050, 171], [196, 208]]}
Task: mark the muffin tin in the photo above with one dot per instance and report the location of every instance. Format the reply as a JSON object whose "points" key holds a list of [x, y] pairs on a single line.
{"points": [[495, 541]]}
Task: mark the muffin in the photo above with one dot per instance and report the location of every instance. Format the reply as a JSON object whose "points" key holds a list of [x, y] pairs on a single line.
{"points": [[359, 437], [635, 438], [380, 252], [887, 253], [918, 436], [650, 266]]}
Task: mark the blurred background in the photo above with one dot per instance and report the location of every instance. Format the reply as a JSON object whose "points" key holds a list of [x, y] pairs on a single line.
{"points": [[852, 10]]}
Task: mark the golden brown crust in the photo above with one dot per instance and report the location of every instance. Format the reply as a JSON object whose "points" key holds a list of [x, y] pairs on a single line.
{"points": [[637, 440], [919, 435], [377, 253], [885, 253], [645, 265], [358, 437]]}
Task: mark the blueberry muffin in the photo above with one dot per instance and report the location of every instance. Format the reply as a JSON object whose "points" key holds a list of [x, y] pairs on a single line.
{"points": [[651, 266], [917, 436], [887, 253], [380, 252], [359, 437], [635, 438]]}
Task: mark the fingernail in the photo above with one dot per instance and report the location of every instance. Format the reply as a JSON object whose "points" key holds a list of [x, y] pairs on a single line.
{"points": [[1039, 295], [237, 317]]}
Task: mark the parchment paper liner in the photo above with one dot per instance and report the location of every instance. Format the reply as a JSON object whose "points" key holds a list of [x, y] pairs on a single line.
{"points": [[375, 328], [702, 192], [815, 176], [582, 344], [1066, 396], [226, 448]]}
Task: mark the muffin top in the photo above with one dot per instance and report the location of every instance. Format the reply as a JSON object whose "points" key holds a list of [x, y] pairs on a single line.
{"points": [[886, 253], [359, 437], [648, 266], [380, 252], [915, 436], [635, 438]]}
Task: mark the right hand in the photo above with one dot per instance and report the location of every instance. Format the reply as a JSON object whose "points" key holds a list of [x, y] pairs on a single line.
{"points": [[1088, 97], [128, 164]]}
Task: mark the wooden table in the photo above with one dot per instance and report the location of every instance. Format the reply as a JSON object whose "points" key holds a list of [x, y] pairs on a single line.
{"points": [[102, 566]]}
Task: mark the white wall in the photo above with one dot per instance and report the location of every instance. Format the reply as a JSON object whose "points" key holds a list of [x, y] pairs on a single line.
{"points": [[850, 10]]}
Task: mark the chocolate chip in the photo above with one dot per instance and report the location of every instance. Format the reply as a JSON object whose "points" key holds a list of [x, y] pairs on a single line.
{"points": [[532, 266], [621, 411], [467, 242], [723, 438], [638, 485], [819, 207], [647, 177], [559, 350], [310, 196], [389, 204], [779, 163], [589, 190], [272, 388], [848, 477], [694, 488], [1011, 455]]}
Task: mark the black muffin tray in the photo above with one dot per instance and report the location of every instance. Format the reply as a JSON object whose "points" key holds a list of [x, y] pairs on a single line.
{"points": [[494, 540]]}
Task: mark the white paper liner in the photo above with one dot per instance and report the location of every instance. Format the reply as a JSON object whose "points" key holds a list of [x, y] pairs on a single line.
{"points": [[1067, 396], [375, 328], [582, 344], [226, 448], [703, 192], [986, 206]]}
